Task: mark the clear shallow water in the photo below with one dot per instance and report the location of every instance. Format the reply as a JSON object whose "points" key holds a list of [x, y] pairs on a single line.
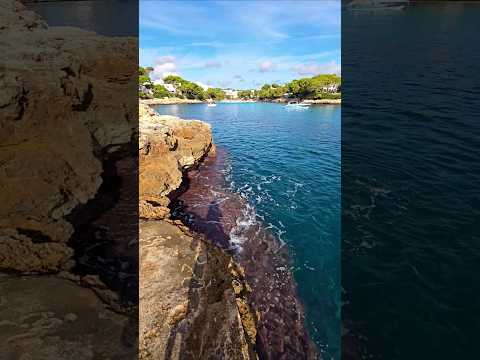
{"points": [[286, 164], [411, 180]]}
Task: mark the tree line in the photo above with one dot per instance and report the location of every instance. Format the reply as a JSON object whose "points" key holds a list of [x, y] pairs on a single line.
{"points": [[184, 89], [325, 86]]}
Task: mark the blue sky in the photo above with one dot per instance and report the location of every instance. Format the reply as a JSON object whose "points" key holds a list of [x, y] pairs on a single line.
{"points": [[240, 44]]}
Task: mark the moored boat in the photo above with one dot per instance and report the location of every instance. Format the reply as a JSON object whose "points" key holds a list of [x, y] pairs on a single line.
{"points": [[296, 103]]}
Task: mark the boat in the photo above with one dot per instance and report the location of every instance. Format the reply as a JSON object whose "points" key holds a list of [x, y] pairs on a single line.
{"points": [[376, 5], [296, 103], [211, 104]]}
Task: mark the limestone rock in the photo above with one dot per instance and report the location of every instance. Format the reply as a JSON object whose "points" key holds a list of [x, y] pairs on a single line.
{"points": [[74, 324], [188, 309], [168, 146], [61, 115]]}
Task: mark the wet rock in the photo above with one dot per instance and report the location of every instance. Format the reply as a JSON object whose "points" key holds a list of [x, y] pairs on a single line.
{"points": [[188, 309], [248, 319]]}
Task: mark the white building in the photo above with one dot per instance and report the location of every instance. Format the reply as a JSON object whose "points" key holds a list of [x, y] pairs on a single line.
{"points": [[332, 88], [170, 88], [231, 93], [145, 88]]}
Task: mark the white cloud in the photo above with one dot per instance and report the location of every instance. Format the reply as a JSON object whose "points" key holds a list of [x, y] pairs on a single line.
{"points": [[266, 66], [164, 66], [165, 59], [213, 64], [313, 69]]}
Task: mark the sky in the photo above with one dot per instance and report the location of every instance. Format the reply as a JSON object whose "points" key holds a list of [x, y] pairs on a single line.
{"points": [[240, 44]]}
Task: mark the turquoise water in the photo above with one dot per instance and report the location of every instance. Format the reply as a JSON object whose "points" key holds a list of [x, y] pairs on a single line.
{"points": [[286, 163]]}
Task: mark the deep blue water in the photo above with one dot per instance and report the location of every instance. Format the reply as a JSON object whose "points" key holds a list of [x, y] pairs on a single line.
{"points": [[287, 164], [109, 18], [411, 181]]}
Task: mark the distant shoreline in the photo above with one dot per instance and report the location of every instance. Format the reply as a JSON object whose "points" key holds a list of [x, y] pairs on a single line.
{"points": [[178, 101], [170, 101]]}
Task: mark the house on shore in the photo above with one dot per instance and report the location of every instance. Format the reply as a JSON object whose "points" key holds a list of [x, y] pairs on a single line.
{"points": [[146, 88], [332, 88], [170, 88], [231, 93]]}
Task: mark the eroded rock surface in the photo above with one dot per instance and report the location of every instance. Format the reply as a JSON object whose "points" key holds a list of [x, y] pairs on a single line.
{"points": [[61, 116], [188, 305], [168, 146], [36, 324], [65, 113], [192, 295]]}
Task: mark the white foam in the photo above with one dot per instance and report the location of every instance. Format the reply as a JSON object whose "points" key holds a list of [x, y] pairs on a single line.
{"points": [[242, 225]]}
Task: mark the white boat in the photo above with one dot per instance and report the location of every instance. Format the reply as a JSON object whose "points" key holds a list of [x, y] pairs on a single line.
{"points": [[376, 5], [211, 104], [296, 103]]}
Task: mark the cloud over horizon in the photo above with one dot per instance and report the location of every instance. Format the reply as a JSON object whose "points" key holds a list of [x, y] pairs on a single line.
{"points": [[213, 64], [313, 69], [267, 66], [164, 66], [239, 44]]}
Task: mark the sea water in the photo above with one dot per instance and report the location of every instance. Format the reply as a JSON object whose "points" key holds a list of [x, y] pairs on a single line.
{"points": [[285, 164]]}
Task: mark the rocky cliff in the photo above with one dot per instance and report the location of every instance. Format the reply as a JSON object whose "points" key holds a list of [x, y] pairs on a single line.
{"points": [[168, 146], [68, 117], [61, 116], [192, 294]]}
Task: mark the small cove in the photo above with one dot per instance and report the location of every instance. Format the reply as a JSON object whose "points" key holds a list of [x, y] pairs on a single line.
{"points": [[276, 181]]}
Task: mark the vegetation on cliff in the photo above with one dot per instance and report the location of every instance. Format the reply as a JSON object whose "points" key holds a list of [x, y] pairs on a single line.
{"points": [[323, 86], [180, 88]]}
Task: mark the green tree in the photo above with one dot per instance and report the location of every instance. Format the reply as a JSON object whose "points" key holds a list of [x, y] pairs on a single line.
{"points": [[321, 86], [192, 91], [245, 94], [215, 94], [142, 79], [301, 88], [270, 92], [174, 80], [148, 70], [159, 91]]}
